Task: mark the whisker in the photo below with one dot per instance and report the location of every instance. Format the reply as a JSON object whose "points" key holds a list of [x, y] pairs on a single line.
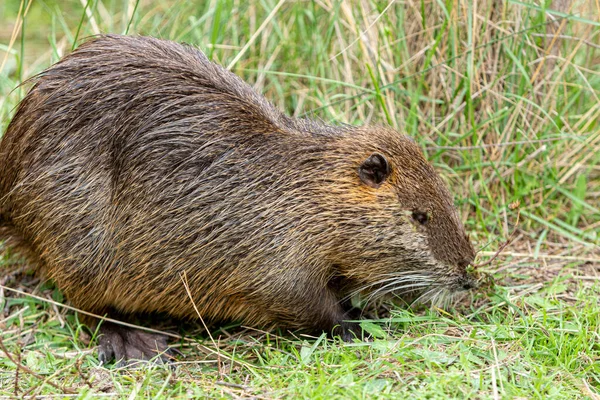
{"points": [[426, 296], [391, 277], [397, 285], [392, 287], [432, 289]]}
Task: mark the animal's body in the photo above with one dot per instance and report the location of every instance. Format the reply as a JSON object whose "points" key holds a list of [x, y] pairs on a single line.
{"points": [[136, 167]]}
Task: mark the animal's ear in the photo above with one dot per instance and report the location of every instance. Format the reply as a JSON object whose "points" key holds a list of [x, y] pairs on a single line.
{"points": [[374, 170]]}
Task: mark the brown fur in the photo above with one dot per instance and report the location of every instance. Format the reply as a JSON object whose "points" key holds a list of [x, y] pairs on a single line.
{"points": [[134, 161]]}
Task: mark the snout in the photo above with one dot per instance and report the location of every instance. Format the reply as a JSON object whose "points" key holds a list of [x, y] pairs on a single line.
{"points": [[468, 282], [468, 279]]}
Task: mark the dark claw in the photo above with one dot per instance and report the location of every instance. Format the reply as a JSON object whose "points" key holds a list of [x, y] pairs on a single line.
{"points": [[105, 352], [174, 352]]}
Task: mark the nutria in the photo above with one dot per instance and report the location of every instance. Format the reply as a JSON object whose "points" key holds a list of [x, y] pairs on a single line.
{"points": [[135, 164]]}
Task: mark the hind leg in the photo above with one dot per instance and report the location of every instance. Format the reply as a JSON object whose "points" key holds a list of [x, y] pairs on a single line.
{"points": [[129, 345]]}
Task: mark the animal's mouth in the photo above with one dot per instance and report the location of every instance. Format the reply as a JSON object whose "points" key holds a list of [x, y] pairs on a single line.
{"points": [[468, 282]]}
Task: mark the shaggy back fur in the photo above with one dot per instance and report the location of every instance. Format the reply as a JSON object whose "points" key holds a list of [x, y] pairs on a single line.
{"points": [[136, 162]]}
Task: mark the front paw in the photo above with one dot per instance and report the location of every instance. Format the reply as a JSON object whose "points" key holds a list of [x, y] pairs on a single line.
{"points": [[348, 331]]}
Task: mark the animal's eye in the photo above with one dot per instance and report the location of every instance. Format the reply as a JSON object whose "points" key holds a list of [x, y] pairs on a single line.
{"points": [[420, 217]]}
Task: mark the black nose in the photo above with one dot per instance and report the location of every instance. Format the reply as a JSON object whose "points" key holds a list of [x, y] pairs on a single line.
{"points": [[468, 285]]}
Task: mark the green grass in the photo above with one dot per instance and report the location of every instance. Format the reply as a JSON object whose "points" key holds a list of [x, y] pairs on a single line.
{"points": [[507, 111]]}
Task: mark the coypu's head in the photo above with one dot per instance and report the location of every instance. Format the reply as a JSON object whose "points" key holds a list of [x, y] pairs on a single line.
{"points": [[411, 238]]}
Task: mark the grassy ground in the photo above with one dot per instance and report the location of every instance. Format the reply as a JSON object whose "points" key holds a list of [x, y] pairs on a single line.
{"points": [[504, 97]]}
